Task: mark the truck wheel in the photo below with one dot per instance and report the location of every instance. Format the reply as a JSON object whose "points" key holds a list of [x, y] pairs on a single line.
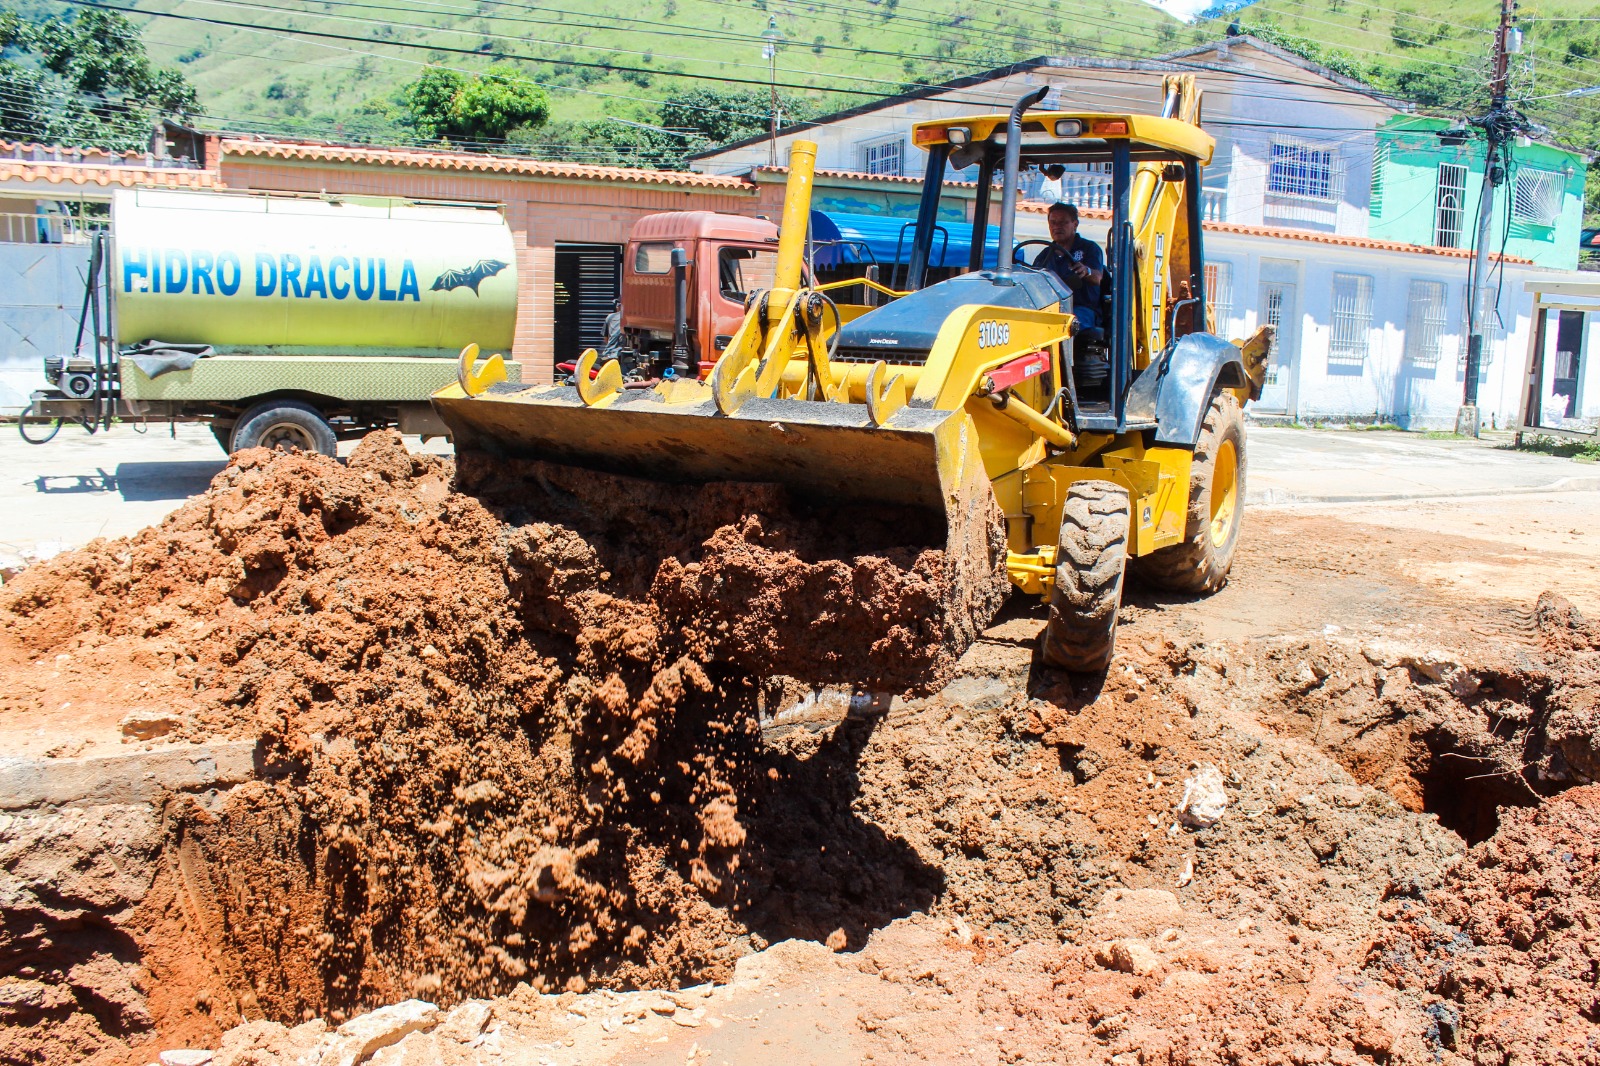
{"points": [[285, 425], [1089, 567], [1200, 563]]}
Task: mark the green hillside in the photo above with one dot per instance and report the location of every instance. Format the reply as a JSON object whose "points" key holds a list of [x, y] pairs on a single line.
{"points": [[257, 65]]}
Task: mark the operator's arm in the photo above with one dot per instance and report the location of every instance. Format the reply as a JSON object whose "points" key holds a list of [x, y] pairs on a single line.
{"points": [[1094, 262]]}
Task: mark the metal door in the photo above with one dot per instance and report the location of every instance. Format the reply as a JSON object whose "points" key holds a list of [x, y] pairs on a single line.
{"points": [[41, 288], [588, 284], [1277, 308]]}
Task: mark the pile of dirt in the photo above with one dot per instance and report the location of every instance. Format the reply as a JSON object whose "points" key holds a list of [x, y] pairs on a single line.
{"points": [[516, 712], [1505, 948], [520, 743], [1058, 906]]}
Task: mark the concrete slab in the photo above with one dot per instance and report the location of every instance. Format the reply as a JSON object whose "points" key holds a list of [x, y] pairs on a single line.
{"points": [[135, 777]]}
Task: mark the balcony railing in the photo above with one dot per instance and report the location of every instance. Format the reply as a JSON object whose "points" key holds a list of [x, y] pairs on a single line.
{"points": [[19, 228], [1093, 192]]}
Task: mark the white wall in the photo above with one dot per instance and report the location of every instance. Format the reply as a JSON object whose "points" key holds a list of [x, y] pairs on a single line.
{"points": [[1388, 385]]}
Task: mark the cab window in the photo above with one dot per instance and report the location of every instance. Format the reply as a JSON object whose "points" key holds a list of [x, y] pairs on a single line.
{"points": [[743, 270], [653, 258]]}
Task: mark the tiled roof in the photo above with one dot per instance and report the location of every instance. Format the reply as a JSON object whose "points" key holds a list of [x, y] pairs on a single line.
{"points": [[94, 166], [475, 163], [1352, 242], [893, 179]]}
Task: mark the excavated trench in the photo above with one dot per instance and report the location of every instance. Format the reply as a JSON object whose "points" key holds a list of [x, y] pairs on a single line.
{"points": [[509, 731]]}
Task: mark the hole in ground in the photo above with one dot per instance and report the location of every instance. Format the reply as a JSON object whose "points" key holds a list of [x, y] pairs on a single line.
{"points": [[1466, 791]]}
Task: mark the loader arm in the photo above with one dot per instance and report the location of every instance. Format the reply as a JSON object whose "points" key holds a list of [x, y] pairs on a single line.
{"points": [[1160, 213]]}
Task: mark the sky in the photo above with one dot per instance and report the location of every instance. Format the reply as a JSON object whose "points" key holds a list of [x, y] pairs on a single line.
{"points": [[1189, 10]]}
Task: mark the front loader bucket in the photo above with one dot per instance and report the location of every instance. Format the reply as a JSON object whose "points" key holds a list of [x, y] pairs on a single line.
{"points": [[822, 451]]}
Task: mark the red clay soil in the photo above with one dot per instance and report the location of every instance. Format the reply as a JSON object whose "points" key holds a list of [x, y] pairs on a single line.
{"points": [[511, 745], [1507, 944], [516, 712]]}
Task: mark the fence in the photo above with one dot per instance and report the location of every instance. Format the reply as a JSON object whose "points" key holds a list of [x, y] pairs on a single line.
{"points": [[23, 228], [1093, 191]]}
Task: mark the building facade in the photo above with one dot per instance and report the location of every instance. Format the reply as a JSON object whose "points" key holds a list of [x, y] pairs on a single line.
{"points": [[1369, 327], [1427, 186], [1295, 141]]}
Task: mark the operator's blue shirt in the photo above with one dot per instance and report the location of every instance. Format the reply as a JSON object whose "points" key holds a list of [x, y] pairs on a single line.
{"points": [[1085, 292]]}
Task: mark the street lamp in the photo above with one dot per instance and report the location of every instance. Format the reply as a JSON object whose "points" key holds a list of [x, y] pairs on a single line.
{"points": [[772, 37]]}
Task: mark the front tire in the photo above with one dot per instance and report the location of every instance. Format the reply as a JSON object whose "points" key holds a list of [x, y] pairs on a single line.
{"points": [[1200, 563], [1092, 558], [285, 425]]}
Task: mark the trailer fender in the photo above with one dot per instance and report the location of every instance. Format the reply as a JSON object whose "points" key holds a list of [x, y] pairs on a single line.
{"points": [[1175, 392]]}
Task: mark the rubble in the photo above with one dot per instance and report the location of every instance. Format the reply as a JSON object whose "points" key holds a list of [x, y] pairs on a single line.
{"points": [[484, 756]]}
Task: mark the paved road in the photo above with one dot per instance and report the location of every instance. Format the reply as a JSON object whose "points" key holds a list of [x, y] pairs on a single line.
{"points": [[1291, 466], [78, 487]]}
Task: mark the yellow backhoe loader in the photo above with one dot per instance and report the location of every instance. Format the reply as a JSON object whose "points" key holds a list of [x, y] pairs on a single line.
{"points": [[1104, 448]]}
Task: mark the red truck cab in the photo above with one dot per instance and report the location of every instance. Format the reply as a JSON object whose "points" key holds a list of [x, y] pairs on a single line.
{"points": [[729, 256]]}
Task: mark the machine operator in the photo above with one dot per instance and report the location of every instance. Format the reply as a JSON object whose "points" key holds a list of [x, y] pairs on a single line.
{"points": [[1077, 261]]}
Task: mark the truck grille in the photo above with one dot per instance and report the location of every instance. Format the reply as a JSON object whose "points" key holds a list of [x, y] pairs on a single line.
{"points": [[892, 356]]}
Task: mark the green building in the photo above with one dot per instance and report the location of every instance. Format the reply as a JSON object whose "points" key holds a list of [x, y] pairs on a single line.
{"points": [[1425, 190]]}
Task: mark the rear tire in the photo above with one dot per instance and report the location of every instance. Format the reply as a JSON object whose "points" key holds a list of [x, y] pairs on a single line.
{"points": [[1200, 563], [285, 425], [1092, 559]]}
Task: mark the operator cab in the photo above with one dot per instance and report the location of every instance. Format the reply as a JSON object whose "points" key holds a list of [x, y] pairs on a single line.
{"points": [[1153, 289]]}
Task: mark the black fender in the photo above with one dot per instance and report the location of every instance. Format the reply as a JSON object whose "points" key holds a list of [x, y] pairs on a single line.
{"points": [[1175, 392]]}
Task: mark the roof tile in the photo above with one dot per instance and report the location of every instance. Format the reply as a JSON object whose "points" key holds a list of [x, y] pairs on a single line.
{"points": [[474, 162], [101, 174]]}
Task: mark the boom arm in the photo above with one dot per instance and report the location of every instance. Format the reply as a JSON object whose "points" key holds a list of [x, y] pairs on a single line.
{"points": [[1159, 211]]}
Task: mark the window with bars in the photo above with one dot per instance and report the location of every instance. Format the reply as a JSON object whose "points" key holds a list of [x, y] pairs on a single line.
{"points": [[882, 157], [1219, 294], [1449, 205], [1351, 339], [1538, 196], [1425, 323], [1302, 170]]}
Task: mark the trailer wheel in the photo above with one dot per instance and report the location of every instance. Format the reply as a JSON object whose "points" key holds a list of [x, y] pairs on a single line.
{"points": [[284, 425], [1200, 563], [1092, 558]]}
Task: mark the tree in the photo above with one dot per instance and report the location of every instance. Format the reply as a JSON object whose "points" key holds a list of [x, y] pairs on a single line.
{"points": [[444, 104], [85, 79], [609, 142], [430, 100], [723, 115]]}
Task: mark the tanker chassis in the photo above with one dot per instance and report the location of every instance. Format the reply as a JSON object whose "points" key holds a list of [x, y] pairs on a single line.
{"points": [[281, 321]]}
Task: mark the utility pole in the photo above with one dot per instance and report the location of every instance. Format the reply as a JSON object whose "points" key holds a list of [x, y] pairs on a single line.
{"points": [[769, 51], [1499, 125]]}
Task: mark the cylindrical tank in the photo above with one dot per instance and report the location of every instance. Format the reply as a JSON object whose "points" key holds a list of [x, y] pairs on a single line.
{"points": [[302, 275]]}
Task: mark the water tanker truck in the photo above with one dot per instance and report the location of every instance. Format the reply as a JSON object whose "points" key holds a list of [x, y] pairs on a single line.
{"points": [[281, 321]]}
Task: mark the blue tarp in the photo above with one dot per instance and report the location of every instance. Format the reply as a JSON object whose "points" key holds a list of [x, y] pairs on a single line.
{"points": [[885, 240]]}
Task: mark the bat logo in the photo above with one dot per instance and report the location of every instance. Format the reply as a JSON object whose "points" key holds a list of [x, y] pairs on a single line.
{"points": [[471, 277]]}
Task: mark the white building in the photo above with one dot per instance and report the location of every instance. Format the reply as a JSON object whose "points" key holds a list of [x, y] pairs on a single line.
{"points": [[1295, 141], [1372, 330], [1368, 329]]}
